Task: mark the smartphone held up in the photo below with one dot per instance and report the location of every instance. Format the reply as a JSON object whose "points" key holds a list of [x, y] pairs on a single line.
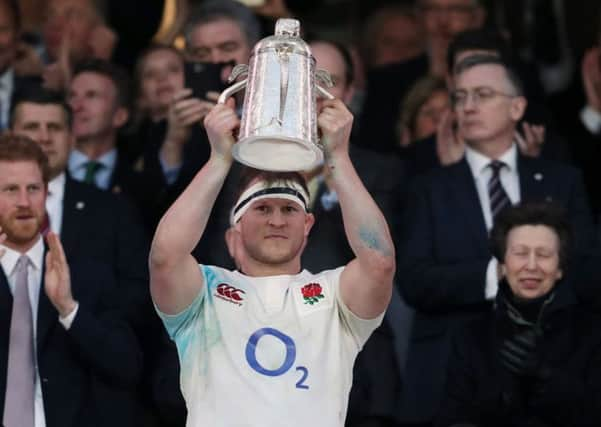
{"points": [[204, 77]]}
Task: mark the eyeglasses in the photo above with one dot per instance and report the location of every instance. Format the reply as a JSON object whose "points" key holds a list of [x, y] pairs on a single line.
{"points": [[480, 95]]}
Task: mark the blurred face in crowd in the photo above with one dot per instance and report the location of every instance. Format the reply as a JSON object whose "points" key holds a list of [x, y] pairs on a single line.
{"points": [[161, 76], [444, 19], [399, 38], [8, 37], [96, 112], [429, 114], [47, 125], [222, 40], [72, 19], [531, 263], [22, 202], [328, 57], [486, 105]]}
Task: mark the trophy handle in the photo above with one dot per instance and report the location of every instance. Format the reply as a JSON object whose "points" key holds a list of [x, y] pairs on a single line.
{"points": [[237, 71], [323, 77], [236, 87], [324, 93]]}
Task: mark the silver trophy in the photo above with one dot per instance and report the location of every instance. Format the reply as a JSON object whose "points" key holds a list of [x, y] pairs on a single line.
{"points": [[278, 130]]}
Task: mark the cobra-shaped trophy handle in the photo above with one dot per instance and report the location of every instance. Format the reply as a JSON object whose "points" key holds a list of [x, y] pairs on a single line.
{"points": [[323, 77], [239, 70]]}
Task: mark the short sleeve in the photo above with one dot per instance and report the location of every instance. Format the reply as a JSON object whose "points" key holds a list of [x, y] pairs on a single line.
{"points": [[360, 329], [180, 326]]}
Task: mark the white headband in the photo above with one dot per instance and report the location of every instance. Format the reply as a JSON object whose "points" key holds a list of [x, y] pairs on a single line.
{"points": [[283, 189]]}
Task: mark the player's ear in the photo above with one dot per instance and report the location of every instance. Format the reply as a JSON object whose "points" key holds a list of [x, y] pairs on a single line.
{"points": [[230, 241], [309, 221]]}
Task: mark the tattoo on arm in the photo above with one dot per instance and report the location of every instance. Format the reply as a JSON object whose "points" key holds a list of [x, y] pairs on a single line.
{"points": [[372, 239]]}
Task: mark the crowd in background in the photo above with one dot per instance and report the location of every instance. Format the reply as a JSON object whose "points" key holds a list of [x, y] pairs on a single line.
{"points": [[462, 108]]}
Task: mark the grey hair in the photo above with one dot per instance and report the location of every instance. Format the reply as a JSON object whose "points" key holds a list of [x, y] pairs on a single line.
{"points": [[488, 59], [214, 10]]}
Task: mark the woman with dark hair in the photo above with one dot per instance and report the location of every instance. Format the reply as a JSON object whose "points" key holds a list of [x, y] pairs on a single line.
{"points": [[535, 360], [158, 76], [167, 117]]}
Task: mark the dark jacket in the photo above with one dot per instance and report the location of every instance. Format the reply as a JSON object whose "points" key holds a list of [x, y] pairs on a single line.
{"points": [[153, 194], [85, 371], [442, 258], [566, 393]]}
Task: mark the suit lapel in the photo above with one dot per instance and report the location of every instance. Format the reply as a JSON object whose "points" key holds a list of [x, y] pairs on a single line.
{"points": [[47, 314], [73, 208], [462, 188], [119, 175], [533, 185], [6, 304]]}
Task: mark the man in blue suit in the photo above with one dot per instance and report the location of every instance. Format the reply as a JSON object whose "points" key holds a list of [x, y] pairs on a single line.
{"points": [[447, 272]]}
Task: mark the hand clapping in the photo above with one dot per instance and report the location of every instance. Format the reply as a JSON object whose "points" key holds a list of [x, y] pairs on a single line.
{"points": [[57, 279]]}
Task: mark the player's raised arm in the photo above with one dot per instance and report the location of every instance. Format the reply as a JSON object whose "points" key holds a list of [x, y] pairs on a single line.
{"points": [[366, 283], [175, 278]]}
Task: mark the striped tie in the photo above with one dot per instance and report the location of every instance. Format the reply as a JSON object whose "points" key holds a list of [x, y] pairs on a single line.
{"points": [[496, 193]]}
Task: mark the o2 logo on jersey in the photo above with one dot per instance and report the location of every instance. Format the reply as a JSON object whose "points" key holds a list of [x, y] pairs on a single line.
{"points": [[251, 356]]}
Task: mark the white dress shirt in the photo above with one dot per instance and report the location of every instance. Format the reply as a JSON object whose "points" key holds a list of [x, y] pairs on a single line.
{"points": [[34, 280], [54, 202], [510, 180], [7, 83], [591, 119]]}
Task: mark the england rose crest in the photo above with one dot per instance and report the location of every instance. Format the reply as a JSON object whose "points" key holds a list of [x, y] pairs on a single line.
{"points": [[312, 293]]}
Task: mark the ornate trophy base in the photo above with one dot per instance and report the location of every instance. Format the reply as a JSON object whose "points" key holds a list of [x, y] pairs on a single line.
{"points": [[278, 154]]}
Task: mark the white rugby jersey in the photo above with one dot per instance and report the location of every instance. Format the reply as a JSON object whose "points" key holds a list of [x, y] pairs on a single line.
{"points": [[267, 351]]}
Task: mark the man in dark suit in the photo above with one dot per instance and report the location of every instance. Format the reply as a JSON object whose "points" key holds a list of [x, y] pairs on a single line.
{"points": [[99, 95], [64, 340], [92, 223], [447, 272], [583, 124], [536, 133]]}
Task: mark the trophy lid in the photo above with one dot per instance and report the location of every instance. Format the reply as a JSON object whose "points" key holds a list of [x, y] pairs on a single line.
{"points": [[287, 32], [287, 27]]}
